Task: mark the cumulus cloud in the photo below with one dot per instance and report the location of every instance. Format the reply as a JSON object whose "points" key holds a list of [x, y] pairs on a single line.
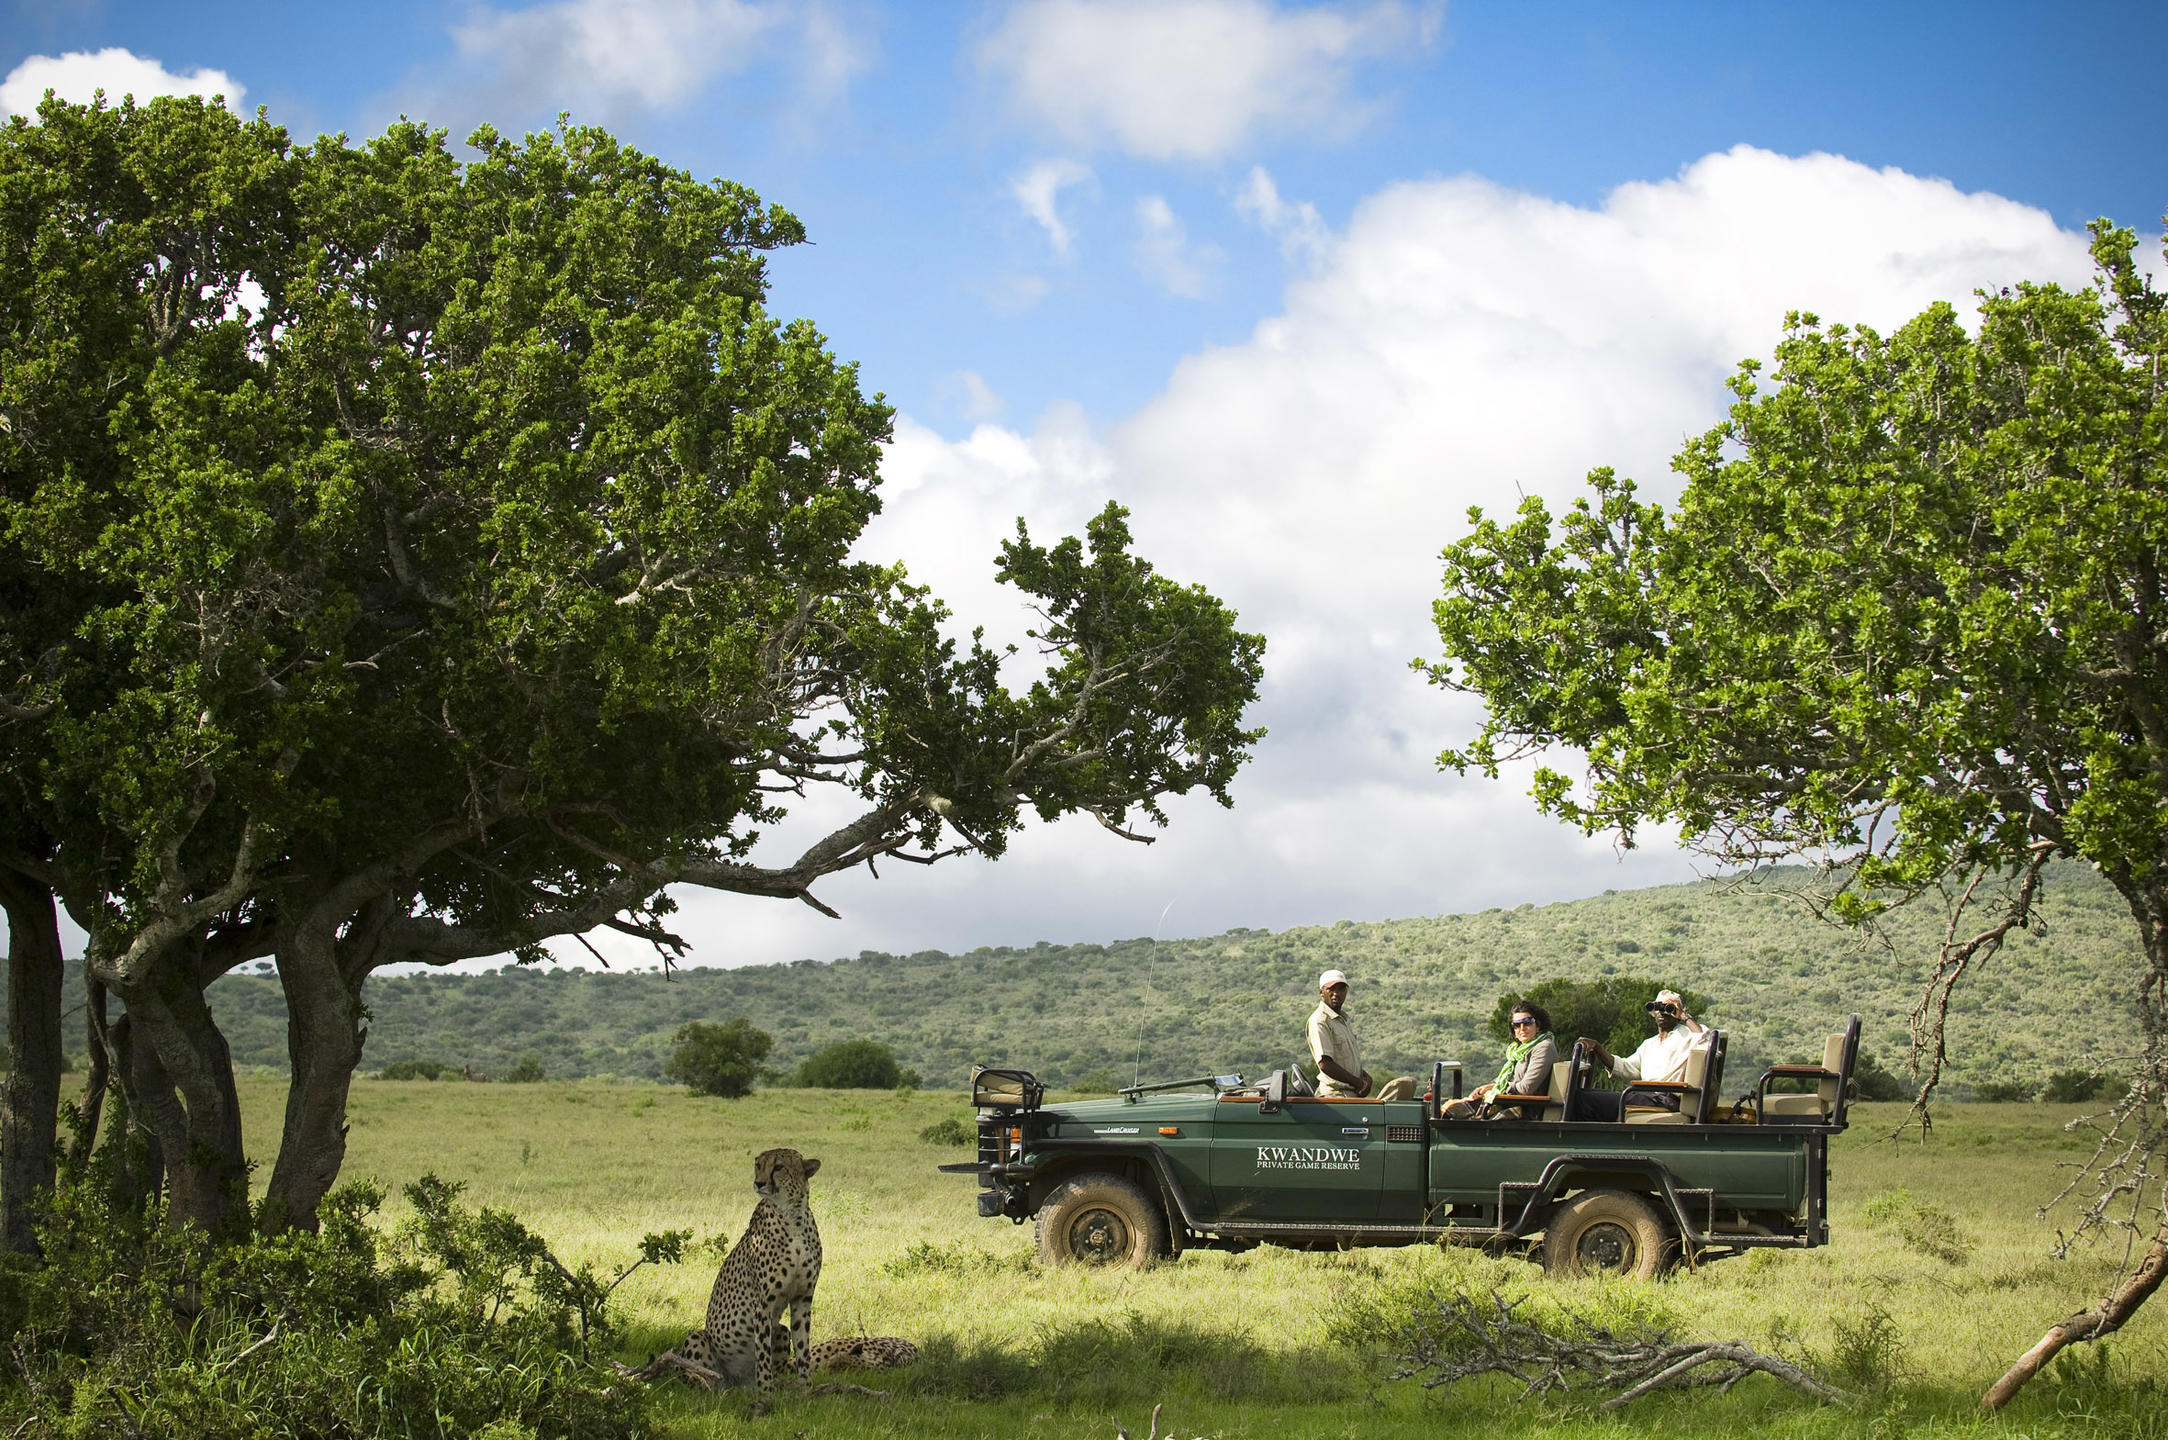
{"points": [[1038, 192], [1295, 224], [79, 74], [1459, 344], [608, 58], [1164, 253], [1193, 79]]}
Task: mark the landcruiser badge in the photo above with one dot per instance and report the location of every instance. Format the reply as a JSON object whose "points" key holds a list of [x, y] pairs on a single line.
{"points": [[1308, 1157], [1354, 1130], [1114, 1130]]}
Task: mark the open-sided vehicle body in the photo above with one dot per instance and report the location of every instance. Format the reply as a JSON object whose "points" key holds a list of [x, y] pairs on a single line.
{"points": [[1214, 1163]]}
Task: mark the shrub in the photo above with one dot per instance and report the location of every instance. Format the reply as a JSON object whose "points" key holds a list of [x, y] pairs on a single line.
{"points": [[2074, 1087], [718, 1059], [924, 1257], [2002, 1092], [455, 1322], [527, 1072], [855, 1065], [1871, 1082], [1869, 1353], [1926, 1229], [420, 1070], [951, 1131]]}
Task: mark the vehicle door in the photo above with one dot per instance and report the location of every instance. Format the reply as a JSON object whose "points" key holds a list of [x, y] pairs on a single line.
{"points": [[1304, 1159]]}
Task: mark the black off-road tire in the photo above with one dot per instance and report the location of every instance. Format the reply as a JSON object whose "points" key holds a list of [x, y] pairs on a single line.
{"points": [[1101, 1221], [1607, 1233]]}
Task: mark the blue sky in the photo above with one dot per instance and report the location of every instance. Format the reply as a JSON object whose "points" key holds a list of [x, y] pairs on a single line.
{"points": [[1297, 282]]}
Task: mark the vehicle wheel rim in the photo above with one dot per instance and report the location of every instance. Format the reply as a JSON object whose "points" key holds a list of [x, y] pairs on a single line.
{"points": [[1099, 1237], [1606, 1248]]}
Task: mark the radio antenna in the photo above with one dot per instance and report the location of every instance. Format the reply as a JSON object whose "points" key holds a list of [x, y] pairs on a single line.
{"points": [[1136, 1074]]}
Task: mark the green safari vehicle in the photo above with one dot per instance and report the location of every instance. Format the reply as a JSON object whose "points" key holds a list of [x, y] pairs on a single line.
{"points": [[1214, 1163]]}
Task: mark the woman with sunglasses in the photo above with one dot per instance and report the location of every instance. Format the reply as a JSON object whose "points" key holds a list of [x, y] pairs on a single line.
{"points": [[1527, 1067]]}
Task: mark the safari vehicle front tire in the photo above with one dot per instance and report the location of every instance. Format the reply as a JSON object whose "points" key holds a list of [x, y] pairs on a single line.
{"points": [[1101, 1221]]}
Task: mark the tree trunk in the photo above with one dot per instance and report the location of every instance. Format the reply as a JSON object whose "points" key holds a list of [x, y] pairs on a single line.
{"points": [[2147, 897], [30, 1101], [2086, 1324], [321, 974], [180, 1083]]}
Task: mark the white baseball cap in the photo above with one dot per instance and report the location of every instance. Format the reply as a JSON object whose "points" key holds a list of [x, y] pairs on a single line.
{"points": [[1329, 979]]}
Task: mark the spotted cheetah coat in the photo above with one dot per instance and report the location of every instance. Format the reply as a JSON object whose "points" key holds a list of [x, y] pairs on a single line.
{"points": [[852, 1352], [776, 1263]]}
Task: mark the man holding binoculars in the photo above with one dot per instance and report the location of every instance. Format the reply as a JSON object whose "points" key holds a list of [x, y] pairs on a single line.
{"points": [[1660, 1057]]}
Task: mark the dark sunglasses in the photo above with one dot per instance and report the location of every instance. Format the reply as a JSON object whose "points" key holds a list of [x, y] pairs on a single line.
{"points": [[1520, 1020]]}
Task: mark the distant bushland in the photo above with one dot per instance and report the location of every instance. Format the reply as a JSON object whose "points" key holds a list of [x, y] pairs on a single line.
{"points": [[1776, 980]]}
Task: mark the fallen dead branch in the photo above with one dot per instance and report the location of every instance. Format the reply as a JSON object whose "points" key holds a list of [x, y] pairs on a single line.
{"points": [[672, 1363], [1469, 1337]]}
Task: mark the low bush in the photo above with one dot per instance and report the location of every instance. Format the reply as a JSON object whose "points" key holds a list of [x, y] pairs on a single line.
{"points": [[455, 1322], [1871, 1081], [951, 1131], [1869, 1351], [924, 1257], [2002, 1092], [1924, 1228], [2074, 1087], [420, 1070], [855, 1065], [528, 1071]]}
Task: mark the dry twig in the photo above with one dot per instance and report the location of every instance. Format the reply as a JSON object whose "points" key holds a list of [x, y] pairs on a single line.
{"points": [[1476, 1338]]}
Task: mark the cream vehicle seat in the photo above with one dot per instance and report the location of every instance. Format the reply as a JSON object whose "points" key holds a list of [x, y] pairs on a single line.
{"points": [[1704, 1075], [1825, 1103]]}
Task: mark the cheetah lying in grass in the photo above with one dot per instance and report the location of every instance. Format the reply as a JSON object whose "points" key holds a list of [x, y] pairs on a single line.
{"points": [[775, 1264]]}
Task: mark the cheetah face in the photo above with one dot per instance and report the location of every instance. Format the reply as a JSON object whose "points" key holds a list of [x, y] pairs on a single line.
{"points": [[781, 1174]]}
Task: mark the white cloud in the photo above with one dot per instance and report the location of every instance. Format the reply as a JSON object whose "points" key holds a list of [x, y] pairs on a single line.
{"points": [[1193, 79], [1164, 252], [79, 74], [966, 393], [1297, 225], [1013, 294], [1459, 343], [603, 58], [1038, 191]]}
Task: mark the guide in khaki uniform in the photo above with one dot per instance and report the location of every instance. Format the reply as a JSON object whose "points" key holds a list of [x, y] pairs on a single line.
{"points": [[1339, 1054]]}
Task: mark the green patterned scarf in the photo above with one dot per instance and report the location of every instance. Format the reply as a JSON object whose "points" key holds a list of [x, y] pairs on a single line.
{"points": [[1515, 1054]]}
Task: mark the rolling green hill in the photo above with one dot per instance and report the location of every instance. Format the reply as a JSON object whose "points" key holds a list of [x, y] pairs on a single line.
{"points": [[1423, 988]]}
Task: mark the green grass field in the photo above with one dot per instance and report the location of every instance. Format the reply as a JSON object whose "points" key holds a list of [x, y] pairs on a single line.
{"points": [[1941, 1239]]}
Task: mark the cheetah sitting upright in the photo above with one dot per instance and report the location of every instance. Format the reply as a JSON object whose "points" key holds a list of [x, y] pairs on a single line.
{"points": [[777, 1262]]}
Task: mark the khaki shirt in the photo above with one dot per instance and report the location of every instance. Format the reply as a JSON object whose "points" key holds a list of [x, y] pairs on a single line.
{"points": [[1330, 1034]]}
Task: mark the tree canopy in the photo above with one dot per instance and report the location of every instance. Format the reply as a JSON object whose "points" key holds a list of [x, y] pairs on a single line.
{"points": [[855, 1065], [1910, 618], [407, 557], [718, 1059]]}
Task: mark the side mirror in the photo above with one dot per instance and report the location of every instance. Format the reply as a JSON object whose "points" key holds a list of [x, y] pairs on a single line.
{"points": [[1275, 1093]]}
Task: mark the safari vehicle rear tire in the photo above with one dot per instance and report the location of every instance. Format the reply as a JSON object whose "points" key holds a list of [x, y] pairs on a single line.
{"points": [[1101, 1220], [1606, 1233]]}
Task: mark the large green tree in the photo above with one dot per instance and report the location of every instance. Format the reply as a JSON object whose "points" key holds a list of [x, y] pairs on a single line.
{"points": [[1910, 617], [431, 557]]}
